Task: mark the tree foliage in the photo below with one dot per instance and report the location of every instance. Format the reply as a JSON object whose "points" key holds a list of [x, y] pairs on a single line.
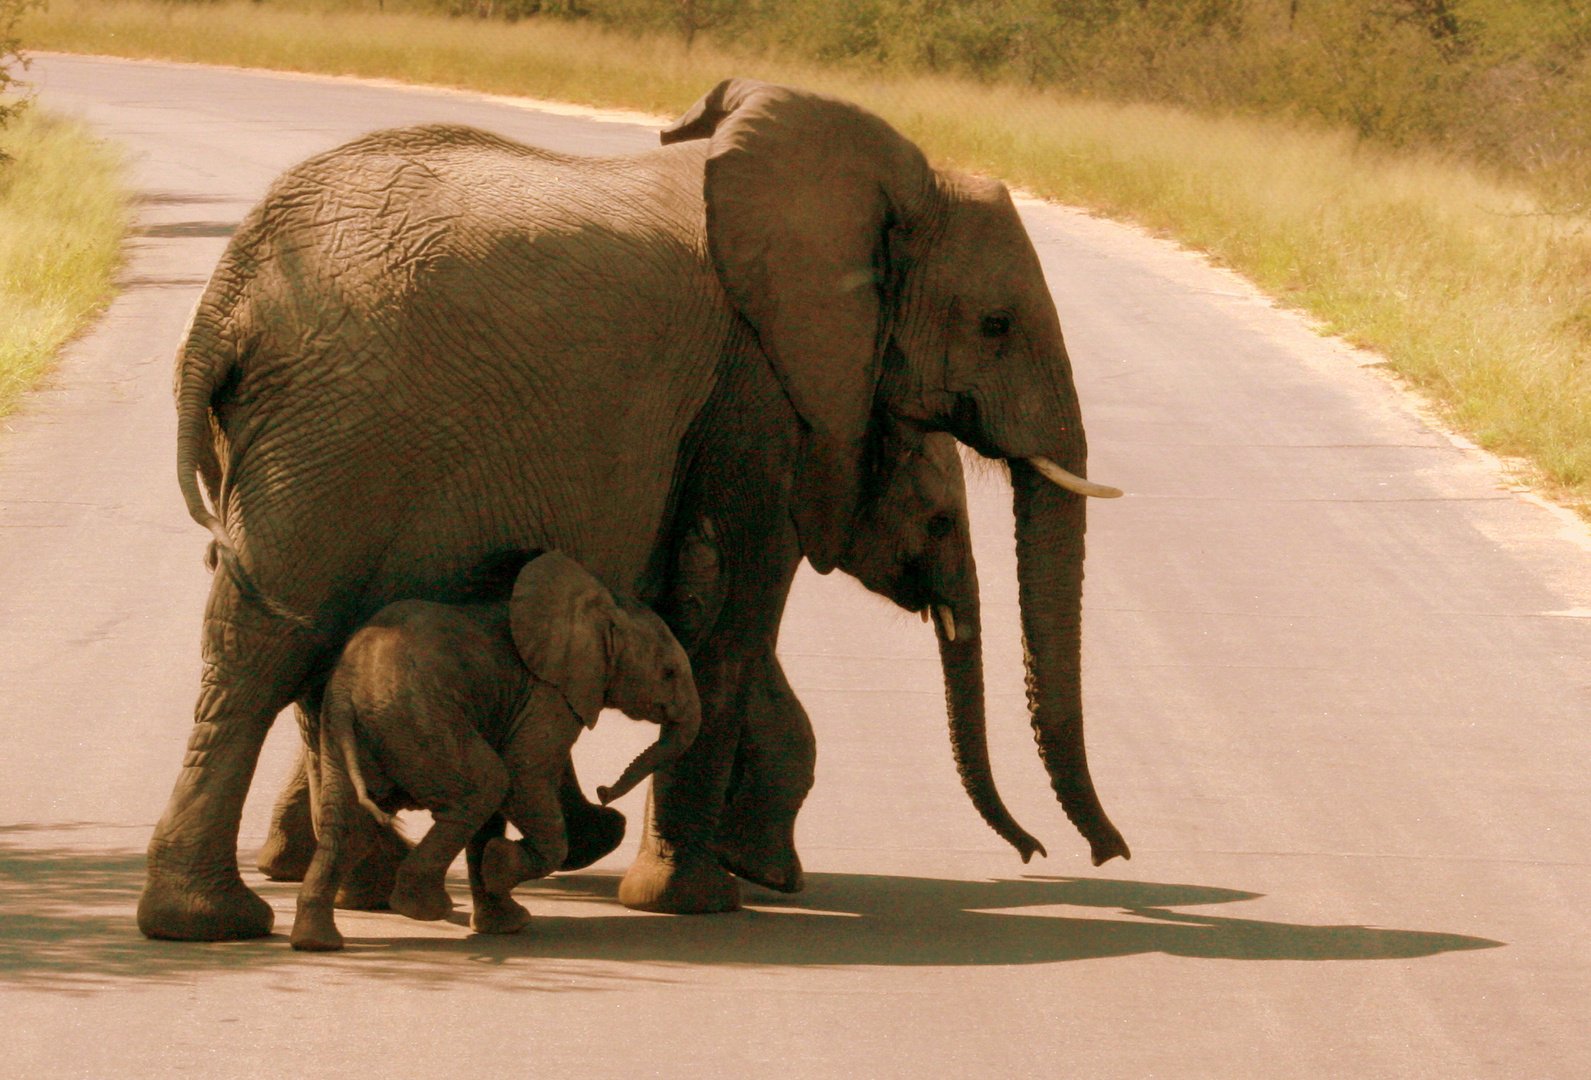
{"points": [[13, 91], [1507, 82]]}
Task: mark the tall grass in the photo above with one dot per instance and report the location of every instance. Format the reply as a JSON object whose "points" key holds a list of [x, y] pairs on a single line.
{"points": [[1454, 274], [63, 214]]}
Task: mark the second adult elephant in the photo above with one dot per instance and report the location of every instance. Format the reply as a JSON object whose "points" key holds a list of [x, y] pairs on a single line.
{"points": [[432, 345], [912, 543]]}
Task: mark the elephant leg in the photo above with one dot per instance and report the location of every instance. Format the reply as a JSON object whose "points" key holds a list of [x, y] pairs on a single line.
{"points": [[253, 665], [493, 912], [594, 830], [344, 832], [461, 800], [676, 879], [368, 884], [537, 758], [290, 844], [774, 771], [676, 870]]}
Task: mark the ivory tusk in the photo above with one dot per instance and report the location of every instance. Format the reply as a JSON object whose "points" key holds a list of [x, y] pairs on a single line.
{"points": [[1075, 484], [947, 621]]}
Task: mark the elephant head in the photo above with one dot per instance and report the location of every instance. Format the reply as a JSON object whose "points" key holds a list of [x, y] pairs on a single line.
{"points": [[913, 544], [602, 651], [876, 283]]}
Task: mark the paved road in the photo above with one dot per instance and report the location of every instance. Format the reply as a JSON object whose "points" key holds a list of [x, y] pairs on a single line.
{"points": [[1338, 678]]}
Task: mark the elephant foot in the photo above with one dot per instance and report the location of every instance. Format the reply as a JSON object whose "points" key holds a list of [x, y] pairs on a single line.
{"points": [[421, 896], [773, 866], [315, 929], [369, 884], [591, 836], [286, 856], [498, 914], [502, 866], [687, 882], [505, 863], [178, 906]]}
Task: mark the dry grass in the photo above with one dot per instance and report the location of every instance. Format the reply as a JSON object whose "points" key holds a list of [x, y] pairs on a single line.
{"points": [[1471, 294], [555, 60], [63, 214]]}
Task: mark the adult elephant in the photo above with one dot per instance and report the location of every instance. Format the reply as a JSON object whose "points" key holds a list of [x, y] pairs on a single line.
{"points": [[910, 542], [432, 345]]}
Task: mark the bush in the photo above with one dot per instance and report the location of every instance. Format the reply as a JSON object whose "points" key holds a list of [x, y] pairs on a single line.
{"points": [[508, 10], [13, 98], [1504, 82]]}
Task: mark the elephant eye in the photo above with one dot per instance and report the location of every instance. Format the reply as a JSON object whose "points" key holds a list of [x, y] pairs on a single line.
{"points": [[939, 526], [994, 326]]}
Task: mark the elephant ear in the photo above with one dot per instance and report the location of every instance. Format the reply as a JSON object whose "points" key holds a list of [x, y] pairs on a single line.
{"points": [[564, 624], [807, 200]]}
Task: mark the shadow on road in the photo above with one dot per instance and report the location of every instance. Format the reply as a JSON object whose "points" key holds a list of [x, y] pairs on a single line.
{"points": [[66, 923], [180, 229]]}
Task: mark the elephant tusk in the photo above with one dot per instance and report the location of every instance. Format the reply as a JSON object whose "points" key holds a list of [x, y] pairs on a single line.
{"points": [[925, 614], [1075, 484], [947, 621]]}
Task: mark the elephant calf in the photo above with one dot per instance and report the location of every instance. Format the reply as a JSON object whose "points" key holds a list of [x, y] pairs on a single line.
{"points": [[468, 709]]}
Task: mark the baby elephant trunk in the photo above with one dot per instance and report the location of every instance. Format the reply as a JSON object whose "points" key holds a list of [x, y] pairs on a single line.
{"points": [[676, 738]]}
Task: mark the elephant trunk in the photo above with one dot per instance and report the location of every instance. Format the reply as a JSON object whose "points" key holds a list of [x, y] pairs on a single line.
{"points": [[961, 656], [675, 739], [1049, 535]]}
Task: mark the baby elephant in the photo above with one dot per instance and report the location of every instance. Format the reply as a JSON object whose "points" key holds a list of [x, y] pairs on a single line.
{"points": [[468, 709]]}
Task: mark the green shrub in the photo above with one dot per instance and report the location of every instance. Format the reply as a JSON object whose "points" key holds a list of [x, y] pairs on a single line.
{"points": [[1504, 82], [13, 98]]}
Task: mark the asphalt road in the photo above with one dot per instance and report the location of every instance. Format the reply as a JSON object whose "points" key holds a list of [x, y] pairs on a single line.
{"points": [[1338, 677]]}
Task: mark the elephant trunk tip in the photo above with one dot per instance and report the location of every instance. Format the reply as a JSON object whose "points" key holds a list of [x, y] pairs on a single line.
{"points": [[621, 787], [1027, 847], [1107, 847]]}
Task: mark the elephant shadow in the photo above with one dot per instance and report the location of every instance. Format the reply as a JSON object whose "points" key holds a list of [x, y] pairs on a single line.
{"points": [[67, 924], [873, 920]]}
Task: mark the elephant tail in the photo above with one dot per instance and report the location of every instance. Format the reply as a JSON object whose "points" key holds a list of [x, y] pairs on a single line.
{"points": [[338, 740], [197, 382], [199, 377]]}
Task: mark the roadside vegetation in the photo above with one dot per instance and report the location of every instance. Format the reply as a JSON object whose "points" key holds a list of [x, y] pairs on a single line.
{"points": [[62, 219], [1411, 172]]}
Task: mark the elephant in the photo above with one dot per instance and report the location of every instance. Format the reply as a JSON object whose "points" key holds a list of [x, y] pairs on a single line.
{"points": [[912, 544], [593, 830], [462, 709], [432, 344]]}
